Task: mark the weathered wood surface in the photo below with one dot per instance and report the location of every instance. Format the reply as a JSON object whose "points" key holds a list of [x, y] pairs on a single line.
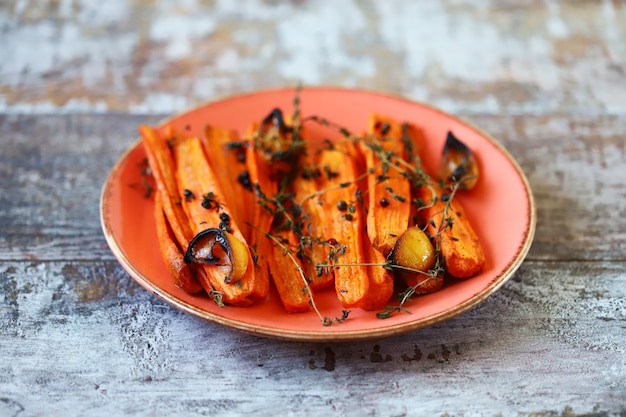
{"points": [[79, 337], [468, 55]]}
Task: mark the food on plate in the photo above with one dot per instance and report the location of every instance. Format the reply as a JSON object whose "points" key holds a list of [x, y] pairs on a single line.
{"points": [[414, 257], [388, 190], [174, 259], [457, 241], [458, 163], [358, 214]]}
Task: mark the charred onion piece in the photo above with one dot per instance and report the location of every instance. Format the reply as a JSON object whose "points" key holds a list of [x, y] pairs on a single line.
{"points": [[275, 135], [276, 120], [458, 163], [280, 145], [216, 247]]}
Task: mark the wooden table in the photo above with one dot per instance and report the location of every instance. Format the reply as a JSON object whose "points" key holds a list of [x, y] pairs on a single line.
{"points": [[79, 337]]}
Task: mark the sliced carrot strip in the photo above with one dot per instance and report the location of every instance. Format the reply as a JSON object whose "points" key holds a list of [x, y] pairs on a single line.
{"points": [[261, 220], [344, 223], [317, 250], [459, 245], [173, 257], [207, 209], [286, 271], [163, 170], [388, 192], [381, 281], [227, 152]]}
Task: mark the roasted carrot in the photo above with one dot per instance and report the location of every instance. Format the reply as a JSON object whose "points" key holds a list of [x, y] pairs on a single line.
{"points": [[183, 275], [381, 280], [343, 224], [272, 161], [453, 233], [259, 184], [388, 191], [163, 170], [316, 249], [207, 209], [287, 273], [226, 152]]}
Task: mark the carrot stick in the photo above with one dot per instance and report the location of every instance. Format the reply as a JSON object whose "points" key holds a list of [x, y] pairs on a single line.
{"points": [[458, 242], [287, 273], [258, 180], [317, 251], [381, 281], [207, 209], [343, 224], [227, 152], [163, 170], [172, 255], [388, 191], [450, 227]]}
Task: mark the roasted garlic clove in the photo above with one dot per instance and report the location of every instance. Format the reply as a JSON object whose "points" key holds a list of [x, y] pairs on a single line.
{"points": [[412, 259], [222, 249], [458, 164]]}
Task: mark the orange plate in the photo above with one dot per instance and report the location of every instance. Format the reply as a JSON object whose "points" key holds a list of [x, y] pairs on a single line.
{"points": [[501, 208]]}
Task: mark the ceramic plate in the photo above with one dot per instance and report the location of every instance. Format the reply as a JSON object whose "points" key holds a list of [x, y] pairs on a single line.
{"points": [[500, 207]]}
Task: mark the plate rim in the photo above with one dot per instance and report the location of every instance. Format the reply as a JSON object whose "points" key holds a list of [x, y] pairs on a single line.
{"points": [[321, 336]]}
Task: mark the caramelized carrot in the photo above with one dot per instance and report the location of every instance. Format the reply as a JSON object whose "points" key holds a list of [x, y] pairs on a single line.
{"points": [[259, 183], [227, 152], [380, 279], [173, 257], [451, 228], [388, 192], [163, 170], [343, 224], [317, 250], [206, 209], [286, 271]]}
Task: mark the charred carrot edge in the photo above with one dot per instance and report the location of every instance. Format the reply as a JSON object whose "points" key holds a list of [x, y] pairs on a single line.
{"points": [[388, 201], [344, 224], [172, 255], [318, 252], [163, 170], [459, 245], [205, 210]]}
